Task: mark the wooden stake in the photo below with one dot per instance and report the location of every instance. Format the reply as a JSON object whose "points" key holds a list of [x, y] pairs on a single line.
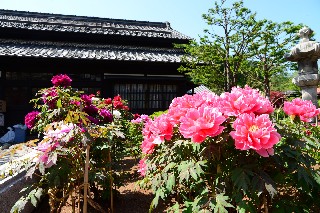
{"points": [[86, 184]]}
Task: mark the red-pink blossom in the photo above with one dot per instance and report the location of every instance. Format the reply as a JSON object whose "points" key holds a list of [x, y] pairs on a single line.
{"points": [[302, 108], [31, 119], [61, 80], [255, 132], [117, 98], [117, 104], [244, 100], [198, 124], [108, 101]]}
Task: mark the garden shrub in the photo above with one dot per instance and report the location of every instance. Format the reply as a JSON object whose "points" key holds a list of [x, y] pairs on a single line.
{"points": [[232, 153], [68, 123]]}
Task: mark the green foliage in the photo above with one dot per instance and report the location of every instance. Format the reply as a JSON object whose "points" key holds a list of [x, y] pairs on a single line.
{"points": [[215, 177], [239, 50]]}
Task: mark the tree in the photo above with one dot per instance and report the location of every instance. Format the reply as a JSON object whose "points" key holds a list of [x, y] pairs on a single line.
{"points": [[240, 50], [268, 49], [217, 60]]}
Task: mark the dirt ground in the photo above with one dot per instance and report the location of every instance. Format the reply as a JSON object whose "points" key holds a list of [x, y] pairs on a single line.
{"points": [[132, 199]]}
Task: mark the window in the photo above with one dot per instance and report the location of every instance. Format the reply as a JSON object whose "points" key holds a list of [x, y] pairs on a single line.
{"points": [[147, 96]]}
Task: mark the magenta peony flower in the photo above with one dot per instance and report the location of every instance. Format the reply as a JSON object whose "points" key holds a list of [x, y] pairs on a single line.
{"points": [[91, 110], [198, 124], [87, 99], [106, 114], [93, 120], [302, 108], [255, 132], [31, 119], [142, 167], [61, 80], [49, 97], [246, 100]]}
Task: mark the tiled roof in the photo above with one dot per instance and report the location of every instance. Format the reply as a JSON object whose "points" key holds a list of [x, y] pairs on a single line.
{"points": [[21, 48], [199, 89], [83, 24]]}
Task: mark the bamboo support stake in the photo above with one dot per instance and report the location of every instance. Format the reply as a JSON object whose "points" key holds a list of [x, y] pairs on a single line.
{"points": [[111, 182], [86, 184], [73, 204], [79, 198]]}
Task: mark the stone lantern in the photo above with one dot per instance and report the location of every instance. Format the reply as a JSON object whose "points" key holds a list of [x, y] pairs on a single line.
{"points": [[306, 53]]}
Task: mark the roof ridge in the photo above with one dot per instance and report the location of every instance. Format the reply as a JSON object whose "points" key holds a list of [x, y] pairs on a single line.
{"points": [[80, 18], [85, 24]]}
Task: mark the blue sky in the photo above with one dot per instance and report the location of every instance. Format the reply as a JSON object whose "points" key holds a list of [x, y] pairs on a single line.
{"points": [[184, 15]]}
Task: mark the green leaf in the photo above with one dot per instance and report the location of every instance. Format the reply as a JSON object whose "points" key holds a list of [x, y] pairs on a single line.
{"points": [[222, 204], [184, 175], [33, 200], [19, 205], [241, 178], [171, 182], [41, 168], [38, 193], [303, 174], [59, 105], [269, 184], [193, 173]]}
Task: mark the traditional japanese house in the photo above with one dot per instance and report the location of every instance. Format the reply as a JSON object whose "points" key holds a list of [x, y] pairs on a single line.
{"points": [[135, 59]]}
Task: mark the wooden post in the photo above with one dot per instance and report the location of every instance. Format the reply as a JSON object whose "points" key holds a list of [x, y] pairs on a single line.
{"points": [[86, 184]]}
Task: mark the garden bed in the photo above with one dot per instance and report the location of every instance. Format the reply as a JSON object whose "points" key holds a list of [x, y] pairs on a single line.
{"points": [[131, 198]]}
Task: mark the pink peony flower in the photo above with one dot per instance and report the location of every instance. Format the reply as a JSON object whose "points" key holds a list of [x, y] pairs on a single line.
{"points": [[156, 132], [180, 105], [31, 119], [302, 108], [246, 100], [198, 124], [61, 80], [141, 119], [147, 145], [46, 156], [255, 132], [142, 167]]}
